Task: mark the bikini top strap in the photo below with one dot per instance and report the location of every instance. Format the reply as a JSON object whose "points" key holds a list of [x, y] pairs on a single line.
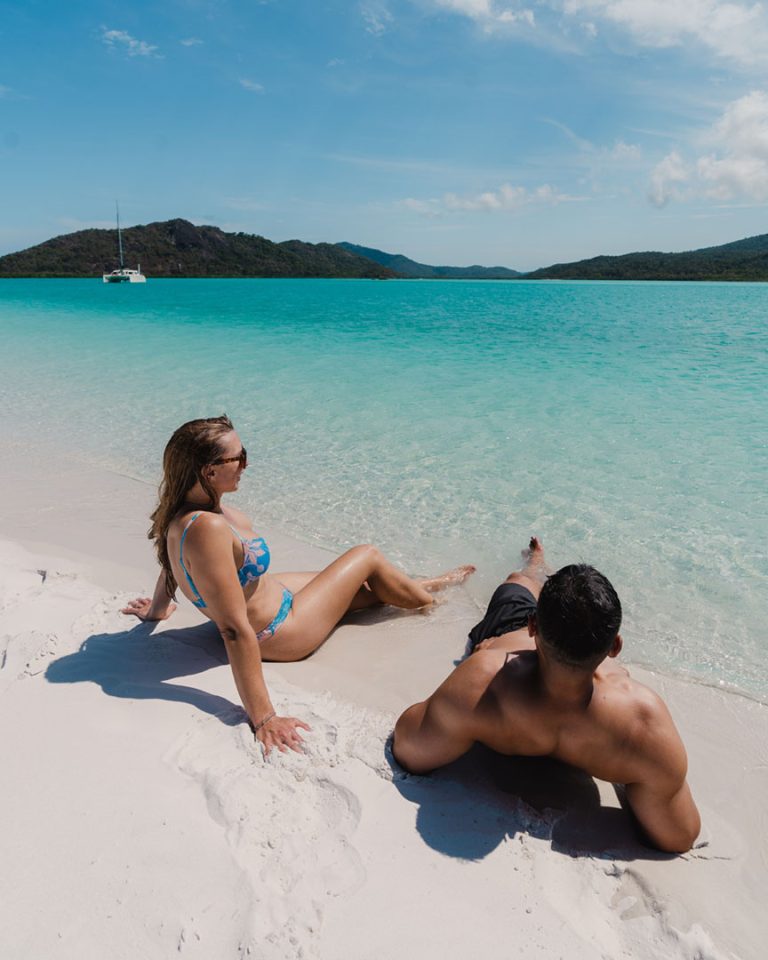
{"points": [[190, 581], [237, 533]]}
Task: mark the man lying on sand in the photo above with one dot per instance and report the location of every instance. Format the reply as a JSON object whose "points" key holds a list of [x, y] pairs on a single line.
{"points": [[542, 681]]}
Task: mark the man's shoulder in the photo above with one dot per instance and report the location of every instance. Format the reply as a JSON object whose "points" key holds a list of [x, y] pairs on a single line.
{"points": [[484, 684], [644, 722], [639, 705], [470, 682], [474, 674], [483, 667]]}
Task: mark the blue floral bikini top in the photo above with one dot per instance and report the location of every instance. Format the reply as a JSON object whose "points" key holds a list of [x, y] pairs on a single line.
{"points": [[255, 561]]}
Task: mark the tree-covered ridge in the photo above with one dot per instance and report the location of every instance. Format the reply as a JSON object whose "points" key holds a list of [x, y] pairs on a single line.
{"points": [[741, 260], [177, 248], [405, 267]]}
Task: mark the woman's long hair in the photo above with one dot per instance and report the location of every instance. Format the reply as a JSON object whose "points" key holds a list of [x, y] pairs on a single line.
{"points": [[192, 447]]}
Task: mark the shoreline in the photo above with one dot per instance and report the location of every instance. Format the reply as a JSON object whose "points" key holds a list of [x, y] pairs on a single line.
{"points": [[180, 837], [484, 280], [139, 494]]}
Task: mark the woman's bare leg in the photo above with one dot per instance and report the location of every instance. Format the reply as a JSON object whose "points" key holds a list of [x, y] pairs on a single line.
{"points": [[323, 601], [366, 596], [450, 578], [295, 582]]}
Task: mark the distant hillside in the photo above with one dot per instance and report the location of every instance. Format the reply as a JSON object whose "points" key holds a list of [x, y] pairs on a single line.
{"points": [[741, 260], [177, 248], [404, 267]]}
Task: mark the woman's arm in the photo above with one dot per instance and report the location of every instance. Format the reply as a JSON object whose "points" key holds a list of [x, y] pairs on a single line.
{"points": [[159, 607], [208, 550]]}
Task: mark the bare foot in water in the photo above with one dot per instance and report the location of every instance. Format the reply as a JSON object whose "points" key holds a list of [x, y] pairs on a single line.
{"points": [[534, 552], [451, 578], [535, 566]]}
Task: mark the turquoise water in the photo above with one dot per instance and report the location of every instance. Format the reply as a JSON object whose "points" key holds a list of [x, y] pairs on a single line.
{"points": [[625, 423]]}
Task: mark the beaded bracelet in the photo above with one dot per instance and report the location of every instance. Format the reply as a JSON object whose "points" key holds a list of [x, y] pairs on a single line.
{"points": [[264, 722]]}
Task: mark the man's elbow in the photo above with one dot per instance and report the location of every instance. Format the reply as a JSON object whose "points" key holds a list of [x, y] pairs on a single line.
{"points": [[404, 748], [682, 839], [677, 837], [681, 842]]}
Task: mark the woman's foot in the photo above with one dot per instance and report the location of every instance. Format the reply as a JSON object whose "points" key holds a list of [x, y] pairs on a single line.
{"points": [[449, 579]]}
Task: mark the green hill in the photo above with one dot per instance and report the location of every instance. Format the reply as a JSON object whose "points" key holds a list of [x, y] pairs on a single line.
{"points": [[741, 260], [177, 248], [405, 267]]}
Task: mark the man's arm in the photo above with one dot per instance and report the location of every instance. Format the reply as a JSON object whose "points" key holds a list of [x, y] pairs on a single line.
{"points": [[670, 821], [661, 798], [443, 727]]}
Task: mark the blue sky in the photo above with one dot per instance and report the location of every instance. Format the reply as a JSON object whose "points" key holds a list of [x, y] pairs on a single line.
{"points": [[454, 131]]}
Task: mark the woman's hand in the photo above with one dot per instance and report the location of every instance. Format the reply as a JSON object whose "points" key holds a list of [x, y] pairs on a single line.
{"points": [[141, 607], [281, 732]]}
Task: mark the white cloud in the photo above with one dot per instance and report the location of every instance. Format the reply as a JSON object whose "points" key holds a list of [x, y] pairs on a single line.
{"points": [[621, 152], [191, 42], [477, 9], [743, 127], [251, 85], [376, 16], [115, 39], [734, 30], [733, 177], [736, 166], [505, 198], [603, 167], [490, 14], [5, 91], [335, 62], [666, 178]]}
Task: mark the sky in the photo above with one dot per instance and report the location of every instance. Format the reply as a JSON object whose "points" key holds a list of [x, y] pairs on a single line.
{"points": [[453, 131]]}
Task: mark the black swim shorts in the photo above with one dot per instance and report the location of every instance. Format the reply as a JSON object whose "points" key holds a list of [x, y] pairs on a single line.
{"points": [[509, 609]]}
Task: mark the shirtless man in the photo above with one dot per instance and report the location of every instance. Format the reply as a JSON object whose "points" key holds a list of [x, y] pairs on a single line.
{"points": [[543, 681]]}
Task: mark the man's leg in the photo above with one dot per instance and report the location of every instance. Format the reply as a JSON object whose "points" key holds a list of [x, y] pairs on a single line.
{"points": [[505, 624], [535, 570]]}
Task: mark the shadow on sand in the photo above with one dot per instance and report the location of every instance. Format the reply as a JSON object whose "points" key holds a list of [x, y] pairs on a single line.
{"points": [[136, 664], [465, 810], [471, 806]]}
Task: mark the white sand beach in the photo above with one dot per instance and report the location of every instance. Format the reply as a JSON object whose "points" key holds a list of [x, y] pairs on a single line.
{"points": [[140, 819]]}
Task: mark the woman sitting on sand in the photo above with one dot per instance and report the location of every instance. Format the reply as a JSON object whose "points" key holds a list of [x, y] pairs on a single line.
{"points": [[210, 551]]}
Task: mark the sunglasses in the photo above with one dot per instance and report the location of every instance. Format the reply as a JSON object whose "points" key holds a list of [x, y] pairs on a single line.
{"points": [[242, 457]]}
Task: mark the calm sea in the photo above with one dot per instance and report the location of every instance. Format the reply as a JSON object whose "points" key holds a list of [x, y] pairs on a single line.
{"points": [[624, 423]]}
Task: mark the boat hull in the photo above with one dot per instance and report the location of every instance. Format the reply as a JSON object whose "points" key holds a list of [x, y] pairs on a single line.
{"points": [[124, 276]]}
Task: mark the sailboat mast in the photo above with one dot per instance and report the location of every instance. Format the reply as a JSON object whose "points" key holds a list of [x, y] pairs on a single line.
{"points": [[119, 235]]}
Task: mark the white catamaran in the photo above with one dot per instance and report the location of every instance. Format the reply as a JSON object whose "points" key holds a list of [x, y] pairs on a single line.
{"points": [[124, 274]]}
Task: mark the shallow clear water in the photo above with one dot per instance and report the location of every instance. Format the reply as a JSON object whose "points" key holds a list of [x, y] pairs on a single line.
{"points": [[625, 423]]}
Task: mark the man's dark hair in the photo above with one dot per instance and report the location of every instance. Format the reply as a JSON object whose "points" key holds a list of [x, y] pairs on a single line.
{"points": [[578, 615]]}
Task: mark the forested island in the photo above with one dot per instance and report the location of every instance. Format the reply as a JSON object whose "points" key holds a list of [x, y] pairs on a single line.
{"points": [[411, 269], [742, 260], [178, 248]]}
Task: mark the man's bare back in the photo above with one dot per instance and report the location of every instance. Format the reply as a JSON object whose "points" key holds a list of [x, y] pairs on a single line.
{"points": [[516, 695]]}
